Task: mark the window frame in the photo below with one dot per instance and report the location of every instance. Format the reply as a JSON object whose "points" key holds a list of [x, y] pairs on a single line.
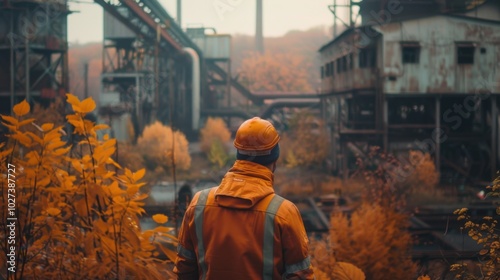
{"points": [[468, 59], [410, 52]]}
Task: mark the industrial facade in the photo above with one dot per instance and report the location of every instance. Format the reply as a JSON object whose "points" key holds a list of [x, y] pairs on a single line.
{"points": [[420, 75]]}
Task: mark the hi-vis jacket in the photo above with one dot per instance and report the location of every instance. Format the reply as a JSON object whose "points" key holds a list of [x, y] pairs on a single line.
{"points": [[241, 230]]}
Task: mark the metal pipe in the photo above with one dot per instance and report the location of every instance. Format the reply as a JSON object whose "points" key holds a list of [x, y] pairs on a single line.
{"points": [[259, 40], [438, 134], [86, 80], [12, 53], [494, 129], [27, 65], [195, 88], [179, 13]]}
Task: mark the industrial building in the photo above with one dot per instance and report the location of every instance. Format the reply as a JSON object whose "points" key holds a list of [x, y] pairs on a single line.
{"points": [[33, 51], [420, 75]]}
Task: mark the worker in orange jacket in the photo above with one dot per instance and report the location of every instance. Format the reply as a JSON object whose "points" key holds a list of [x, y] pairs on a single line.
{"points": [[242, 229]]}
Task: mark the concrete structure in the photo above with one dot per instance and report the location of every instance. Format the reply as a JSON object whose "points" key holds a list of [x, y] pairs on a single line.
{"points": [[417, 75]]}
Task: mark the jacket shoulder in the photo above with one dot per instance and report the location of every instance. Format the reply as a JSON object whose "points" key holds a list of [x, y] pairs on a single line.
{"points": [[287, 209]]}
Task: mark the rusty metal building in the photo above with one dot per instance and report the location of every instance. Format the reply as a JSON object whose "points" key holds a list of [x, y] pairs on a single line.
{"points": [[420, 75]]}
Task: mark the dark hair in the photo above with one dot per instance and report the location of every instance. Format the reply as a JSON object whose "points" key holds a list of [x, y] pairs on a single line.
{"points": [[263, 160]]}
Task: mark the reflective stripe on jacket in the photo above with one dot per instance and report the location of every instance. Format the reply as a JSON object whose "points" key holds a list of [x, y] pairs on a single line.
{"points": [[242, 230]]}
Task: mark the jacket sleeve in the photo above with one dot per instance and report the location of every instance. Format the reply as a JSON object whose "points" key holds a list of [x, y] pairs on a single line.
{"points": [[186, 263], [296, 247]]}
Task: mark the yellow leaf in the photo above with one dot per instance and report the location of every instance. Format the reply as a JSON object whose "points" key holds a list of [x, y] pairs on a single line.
{"points": [[23, 139], [164, 229], [43, 182], [160, 218], [53, 211], [80, 207], [25, 122], [87, 105], [10, 119], [139, 174], [47, 126], [132, 190], [111, 161], [169, 253], [101, 126], [72, 99], [22, 108]]}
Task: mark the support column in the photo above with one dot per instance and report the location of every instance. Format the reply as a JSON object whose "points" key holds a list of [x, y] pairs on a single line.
{"points": [[494, 132], [385, 124], [12, 53], [438, 134], [27, 65], [345, 173]]}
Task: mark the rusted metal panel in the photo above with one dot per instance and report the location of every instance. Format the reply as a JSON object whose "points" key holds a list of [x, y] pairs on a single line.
{"points": [[217, 46], [438, 70], [114, 29]]}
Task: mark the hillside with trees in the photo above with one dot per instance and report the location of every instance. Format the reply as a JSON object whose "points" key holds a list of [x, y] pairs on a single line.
{"points": [[296, 50]]}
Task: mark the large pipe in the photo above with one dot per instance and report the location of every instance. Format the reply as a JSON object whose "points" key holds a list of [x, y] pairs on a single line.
{"points": [[259, 36], [179, 13], [195, 89]]}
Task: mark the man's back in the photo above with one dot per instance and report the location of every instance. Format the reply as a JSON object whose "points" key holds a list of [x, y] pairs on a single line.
{"points": [[242, 230]]}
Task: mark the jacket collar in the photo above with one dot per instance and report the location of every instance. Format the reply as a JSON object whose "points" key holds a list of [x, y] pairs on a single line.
{"points": [[245, 184]]}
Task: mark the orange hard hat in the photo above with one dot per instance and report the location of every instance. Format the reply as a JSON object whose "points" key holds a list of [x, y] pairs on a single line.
{"points": [[256, 137]]}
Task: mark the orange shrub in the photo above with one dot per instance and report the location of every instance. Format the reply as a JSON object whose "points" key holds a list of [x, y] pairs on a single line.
{"points": [[157, 147], [376, 240], [306, 143], [424, 176], [215, 129]]}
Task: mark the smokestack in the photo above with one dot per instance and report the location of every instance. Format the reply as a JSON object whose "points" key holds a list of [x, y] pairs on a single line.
{"points": [[259, 40], [179, 13]]}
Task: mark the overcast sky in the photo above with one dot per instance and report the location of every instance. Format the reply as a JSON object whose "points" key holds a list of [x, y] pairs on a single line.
{"points": [[226, 16]]}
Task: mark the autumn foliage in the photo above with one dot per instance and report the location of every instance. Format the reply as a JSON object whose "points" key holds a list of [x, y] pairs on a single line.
{"points": [[376, 240], [77, 210], [215, 129], [485, 233], [423, 176], [213, 138], [161, 147], [283, 72], [305, 144]]}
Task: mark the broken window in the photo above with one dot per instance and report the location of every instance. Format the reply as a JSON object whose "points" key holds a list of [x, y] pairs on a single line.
{"points": [[344, 63], [411, 52], [465, 53], [367, 58]]}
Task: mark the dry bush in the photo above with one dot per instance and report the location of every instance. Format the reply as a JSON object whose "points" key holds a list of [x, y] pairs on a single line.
{"points": [[215, 129], [326, 267], [376, 240], [218, 155], [383, 174], [306, 143], [424, 177], [77, 217], [155, 144]]}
